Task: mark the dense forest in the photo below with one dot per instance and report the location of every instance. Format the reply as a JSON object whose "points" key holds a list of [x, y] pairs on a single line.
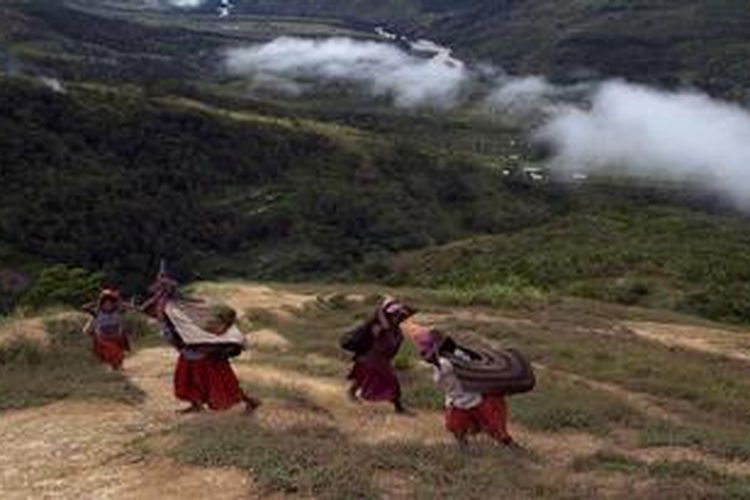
{"points": [[115, 180]]}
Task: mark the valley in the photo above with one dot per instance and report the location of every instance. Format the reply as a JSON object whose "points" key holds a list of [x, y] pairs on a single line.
{"points": [[275, 171]]}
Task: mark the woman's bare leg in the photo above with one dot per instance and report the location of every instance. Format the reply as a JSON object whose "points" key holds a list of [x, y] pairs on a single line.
{"points": [[193, 408]]}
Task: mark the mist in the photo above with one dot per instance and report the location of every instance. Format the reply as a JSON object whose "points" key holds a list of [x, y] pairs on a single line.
{"points": [[653, 133], [381, 69], [186, 4], [591, 126]]}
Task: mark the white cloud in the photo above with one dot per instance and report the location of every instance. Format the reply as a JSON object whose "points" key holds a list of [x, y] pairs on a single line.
{"points": [[186, 4], [380, 68], [637, 129], [650, 132]]}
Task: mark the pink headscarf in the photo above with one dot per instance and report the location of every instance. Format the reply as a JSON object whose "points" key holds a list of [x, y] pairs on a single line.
{"points": [[426, 339]]}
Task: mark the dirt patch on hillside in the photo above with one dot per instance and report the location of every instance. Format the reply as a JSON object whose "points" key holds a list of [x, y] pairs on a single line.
{"points": [[30, 329], [86, 449], [267, 338], [469, 316], [244, 297], [731, 344]]}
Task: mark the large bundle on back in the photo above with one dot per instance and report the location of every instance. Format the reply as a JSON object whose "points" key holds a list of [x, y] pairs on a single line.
{"points": [[205, 325], [487, 370], [481, 367]]}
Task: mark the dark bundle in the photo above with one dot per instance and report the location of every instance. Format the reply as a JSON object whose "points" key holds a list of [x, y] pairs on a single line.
{"points": [[487, 370]]}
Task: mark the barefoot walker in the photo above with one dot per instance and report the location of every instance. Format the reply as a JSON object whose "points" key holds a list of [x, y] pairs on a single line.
{"points": [[374, 345], [205, 336], [110, 338]]}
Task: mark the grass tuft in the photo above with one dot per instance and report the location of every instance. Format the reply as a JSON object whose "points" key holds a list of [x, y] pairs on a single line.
{"points": [[33, 374]]}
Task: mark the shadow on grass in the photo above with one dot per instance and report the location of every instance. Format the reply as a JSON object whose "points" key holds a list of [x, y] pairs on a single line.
{"points": [[32, 374], [290, 396]]}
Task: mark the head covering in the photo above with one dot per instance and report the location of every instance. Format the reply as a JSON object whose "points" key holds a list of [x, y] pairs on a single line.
{"points": [[109, 294], [426, 343], [392, 313], [427, 340]]}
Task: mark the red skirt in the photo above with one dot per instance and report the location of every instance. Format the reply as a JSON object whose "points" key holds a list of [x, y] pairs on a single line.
{"points": [[491, 417], [110, 350], [375, 380], [207, 381]]}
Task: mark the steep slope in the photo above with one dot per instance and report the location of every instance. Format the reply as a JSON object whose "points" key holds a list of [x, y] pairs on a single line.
{"points": [[615, 415], [651, 256], [118, 178]]}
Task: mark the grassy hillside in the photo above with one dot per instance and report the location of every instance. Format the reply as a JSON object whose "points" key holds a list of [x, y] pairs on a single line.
{"points": [[656, 256], [119, 179], [616, 413]]}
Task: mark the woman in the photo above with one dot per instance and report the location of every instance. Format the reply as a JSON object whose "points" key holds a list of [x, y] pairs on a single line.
{"points": [[110, 339], [466, 412], [203, 376], [373, 377]]}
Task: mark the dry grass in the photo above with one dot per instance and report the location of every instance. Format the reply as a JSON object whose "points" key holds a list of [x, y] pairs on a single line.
{"points": [[33, 373], [591, 429], [554, 421]]}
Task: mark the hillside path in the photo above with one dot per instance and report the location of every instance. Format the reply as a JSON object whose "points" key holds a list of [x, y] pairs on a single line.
{"points": [[98, 449]]}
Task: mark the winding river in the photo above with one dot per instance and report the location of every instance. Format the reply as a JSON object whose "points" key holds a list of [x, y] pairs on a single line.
{"points": [[436, 52]]}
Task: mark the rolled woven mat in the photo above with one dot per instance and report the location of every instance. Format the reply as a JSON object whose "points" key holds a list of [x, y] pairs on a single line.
{"points": [[480, 366], [486, 369]]}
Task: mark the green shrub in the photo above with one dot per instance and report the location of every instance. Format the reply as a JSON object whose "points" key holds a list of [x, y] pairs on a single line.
{"points": [[405, 357], [513, 292], [63, 285]]}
